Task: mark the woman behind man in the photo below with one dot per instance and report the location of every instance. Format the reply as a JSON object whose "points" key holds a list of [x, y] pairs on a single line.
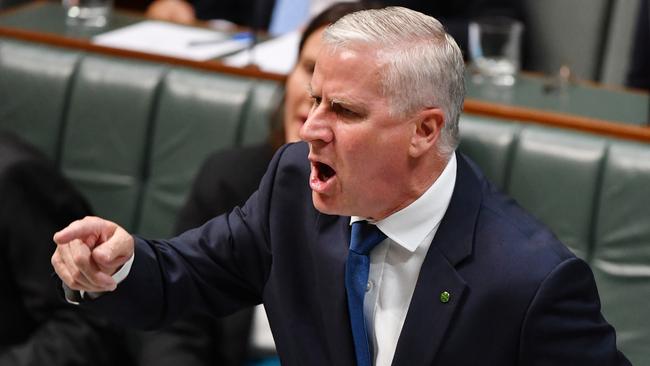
{"points": [[226, 180]]}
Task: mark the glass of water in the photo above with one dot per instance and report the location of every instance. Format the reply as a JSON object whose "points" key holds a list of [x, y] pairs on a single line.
{"points": [[89, 13], [495, 49]]}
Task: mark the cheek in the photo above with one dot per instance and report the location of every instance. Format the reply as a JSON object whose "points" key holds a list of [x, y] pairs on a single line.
{"points": [[378, 156]]}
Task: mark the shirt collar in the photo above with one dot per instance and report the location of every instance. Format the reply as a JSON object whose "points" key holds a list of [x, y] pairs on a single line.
{"points": [[409, 226]]}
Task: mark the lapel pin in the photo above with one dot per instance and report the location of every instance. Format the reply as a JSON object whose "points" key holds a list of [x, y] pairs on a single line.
{"points": [[445, 297]]}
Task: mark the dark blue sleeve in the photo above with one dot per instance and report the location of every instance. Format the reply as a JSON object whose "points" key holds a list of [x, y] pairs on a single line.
{"points": [[564, 326], [219, 268]]}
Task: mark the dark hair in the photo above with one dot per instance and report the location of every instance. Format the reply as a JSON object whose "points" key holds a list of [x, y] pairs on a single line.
{"points": [[333, 13], [328, 16]]}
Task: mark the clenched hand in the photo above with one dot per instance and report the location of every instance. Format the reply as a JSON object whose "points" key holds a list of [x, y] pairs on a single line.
{"points": [[89, 252]]}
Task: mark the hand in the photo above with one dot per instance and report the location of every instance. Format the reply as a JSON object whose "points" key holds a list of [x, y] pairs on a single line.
{"points": [[178, 11], [89, 251]]}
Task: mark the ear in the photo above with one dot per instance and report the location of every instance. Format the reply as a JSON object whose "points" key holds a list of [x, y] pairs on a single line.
{"points": [[428, 125]]}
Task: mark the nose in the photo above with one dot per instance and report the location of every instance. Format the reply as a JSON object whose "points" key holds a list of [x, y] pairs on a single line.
{"points": [[317, 127]]}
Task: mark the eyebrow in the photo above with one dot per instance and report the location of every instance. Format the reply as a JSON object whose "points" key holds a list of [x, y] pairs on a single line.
{"points": [[347, 103]]}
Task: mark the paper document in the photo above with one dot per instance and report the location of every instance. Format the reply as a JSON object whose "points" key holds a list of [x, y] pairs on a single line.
{"points": [[277, 55], [172, 40]]}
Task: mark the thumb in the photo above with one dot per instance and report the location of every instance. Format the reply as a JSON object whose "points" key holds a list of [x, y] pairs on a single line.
{"points": [[114, 252]]}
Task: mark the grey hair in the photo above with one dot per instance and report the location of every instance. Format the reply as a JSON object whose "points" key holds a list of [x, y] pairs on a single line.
{"points": [[424, 65]]}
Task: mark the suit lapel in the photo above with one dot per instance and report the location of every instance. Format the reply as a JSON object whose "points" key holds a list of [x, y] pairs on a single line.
{"points": [[430, 313], [332, 251]]}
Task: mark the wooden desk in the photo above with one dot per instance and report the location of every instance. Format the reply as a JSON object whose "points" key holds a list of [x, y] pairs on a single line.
{"points": [[581, 106]]}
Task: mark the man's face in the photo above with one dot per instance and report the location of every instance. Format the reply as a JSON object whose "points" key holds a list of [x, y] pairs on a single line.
{"points": [[359, 154]]}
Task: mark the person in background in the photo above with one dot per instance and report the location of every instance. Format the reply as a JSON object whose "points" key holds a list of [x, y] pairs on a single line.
{"points": [[639, 71], [225, 180], [258, 14], [36, 328]]}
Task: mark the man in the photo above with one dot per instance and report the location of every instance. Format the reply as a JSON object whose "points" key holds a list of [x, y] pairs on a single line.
{"points": [[464, 277]]}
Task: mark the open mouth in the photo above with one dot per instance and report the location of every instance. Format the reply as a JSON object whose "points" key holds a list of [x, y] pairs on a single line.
{"points": [[324, 171]]}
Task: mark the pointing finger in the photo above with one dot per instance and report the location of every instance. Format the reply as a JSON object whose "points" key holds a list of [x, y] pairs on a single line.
{"points": [[91, 230]]}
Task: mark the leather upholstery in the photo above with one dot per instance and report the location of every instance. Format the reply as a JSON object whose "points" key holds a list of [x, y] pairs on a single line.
{"points": [[556, 173], [107, 132], [34, 83], [197, 113], [490, 145]]}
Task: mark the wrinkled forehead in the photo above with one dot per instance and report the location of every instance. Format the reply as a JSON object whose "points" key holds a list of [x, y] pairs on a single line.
{"points": [[356, 53], [357, 60]]}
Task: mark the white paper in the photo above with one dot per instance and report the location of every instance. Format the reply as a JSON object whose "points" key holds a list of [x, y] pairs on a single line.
{"points": [[277, 55], [171, 40]]}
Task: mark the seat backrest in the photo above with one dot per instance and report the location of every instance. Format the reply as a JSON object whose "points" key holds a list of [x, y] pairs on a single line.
{"points": [[198, 113], [34, 86], [107, 132], [556, 177]]}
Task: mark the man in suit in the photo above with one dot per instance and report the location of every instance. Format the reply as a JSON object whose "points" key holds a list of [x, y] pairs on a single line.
{"points": [[460, 275], [36, 328]]}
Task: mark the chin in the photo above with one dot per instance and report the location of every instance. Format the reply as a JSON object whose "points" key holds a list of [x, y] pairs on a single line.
{"points": [[324, 205]]}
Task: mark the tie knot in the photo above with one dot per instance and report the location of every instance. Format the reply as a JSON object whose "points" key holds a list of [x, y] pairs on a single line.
{"points": [[365, 237]]}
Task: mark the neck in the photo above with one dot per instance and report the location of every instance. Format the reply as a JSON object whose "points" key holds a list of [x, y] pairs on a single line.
{"points": [[423, 174]]}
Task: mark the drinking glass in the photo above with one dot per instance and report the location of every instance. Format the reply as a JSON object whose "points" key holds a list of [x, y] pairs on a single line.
{"points": [[494, 49]]}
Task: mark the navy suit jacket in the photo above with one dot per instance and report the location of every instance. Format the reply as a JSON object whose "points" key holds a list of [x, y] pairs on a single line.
{"points": [[518, 296]]}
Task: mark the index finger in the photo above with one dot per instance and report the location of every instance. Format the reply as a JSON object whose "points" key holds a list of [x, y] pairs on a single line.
{"points": [[91, 230]]}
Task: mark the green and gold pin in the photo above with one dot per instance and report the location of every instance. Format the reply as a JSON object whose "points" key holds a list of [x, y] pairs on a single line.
{"points": [[445, 297]]}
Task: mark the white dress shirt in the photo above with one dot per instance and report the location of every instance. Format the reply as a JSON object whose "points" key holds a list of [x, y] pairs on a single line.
{"points": [[395, 263]]}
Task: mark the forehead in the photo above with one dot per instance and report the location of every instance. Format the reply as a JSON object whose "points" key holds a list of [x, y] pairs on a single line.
{"points": [[343, 72]]}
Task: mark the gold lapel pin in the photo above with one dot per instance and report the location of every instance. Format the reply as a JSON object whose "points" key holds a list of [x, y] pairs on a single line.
{"points": [[445, 297]]}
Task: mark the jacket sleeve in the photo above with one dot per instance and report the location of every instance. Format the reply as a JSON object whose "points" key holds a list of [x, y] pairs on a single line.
{"points": [[564, 325], [218, 268]]}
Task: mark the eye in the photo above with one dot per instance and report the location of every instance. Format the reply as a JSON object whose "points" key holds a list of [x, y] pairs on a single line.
{"points": [[341, 110], [316, 101]]}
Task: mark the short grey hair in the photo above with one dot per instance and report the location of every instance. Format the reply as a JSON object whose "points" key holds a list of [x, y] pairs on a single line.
{"points": [[425, 66]]}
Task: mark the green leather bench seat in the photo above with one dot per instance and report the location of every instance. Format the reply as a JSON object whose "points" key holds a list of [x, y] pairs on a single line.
{"points": [[197, 113], [132, 135], [108, 124]]}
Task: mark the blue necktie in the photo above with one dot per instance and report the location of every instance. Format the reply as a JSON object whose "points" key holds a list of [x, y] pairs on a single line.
{"points": [[364, 237]]}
